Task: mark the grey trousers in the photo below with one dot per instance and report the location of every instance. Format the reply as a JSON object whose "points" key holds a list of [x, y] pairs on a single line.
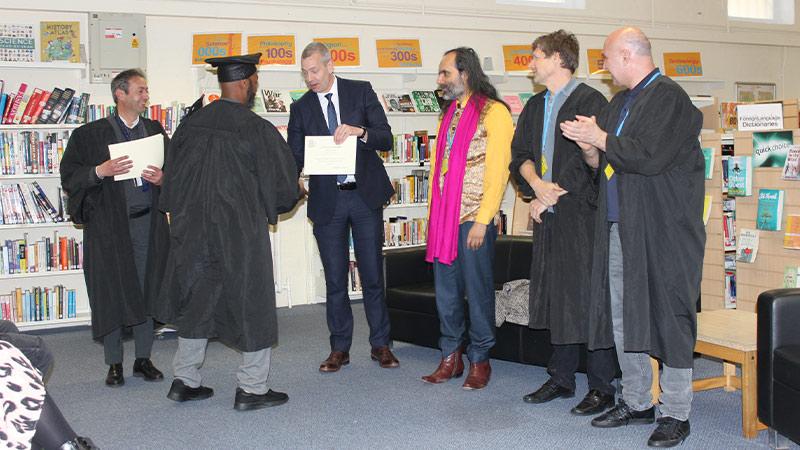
{"points": [[143, 333], [142, 336], [252, 374], [637, 374]]}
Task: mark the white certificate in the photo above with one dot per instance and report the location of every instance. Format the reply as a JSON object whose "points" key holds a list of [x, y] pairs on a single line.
{"points": [[324, 157], [144, 152]]}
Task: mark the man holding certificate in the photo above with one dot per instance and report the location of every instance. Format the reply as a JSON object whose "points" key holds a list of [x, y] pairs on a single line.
{"points": [[124, 235], [334, 131]]}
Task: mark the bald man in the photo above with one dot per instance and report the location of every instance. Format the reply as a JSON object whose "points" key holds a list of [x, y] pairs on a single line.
{"points": [[649, 234]]}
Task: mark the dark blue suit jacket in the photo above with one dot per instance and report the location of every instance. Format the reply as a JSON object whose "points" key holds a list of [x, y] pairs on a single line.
{"points": [[359, 106]]}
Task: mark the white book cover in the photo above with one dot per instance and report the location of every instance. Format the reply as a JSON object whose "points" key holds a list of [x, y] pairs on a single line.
{"points": [[747, 245]]}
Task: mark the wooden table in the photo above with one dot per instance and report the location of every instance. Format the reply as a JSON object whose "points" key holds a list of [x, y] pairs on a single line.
{"points": [[730, 335]]}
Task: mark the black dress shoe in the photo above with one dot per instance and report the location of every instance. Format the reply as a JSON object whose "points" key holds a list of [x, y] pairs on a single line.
{"points": [[246, 401], [181, 392], [143, 367], [669, 433], [623, 415], [550, 390], [79, 443], [114, 377], [595, 402]]}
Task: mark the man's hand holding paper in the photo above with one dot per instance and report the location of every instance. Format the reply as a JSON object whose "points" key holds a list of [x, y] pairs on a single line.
{"points": [[324, 157], [146, 157]]}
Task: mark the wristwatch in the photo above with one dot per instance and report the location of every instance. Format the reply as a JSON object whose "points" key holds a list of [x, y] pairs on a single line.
{"points": [[363, 132]]}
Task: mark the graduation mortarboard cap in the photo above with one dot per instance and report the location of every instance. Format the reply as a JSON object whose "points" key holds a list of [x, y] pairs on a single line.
{"points": [[235, 68]]}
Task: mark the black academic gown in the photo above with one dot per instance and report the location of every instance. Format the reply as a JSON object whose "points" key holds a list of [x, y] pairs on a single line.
{"points": [[563, 243], [115, 296], [660, 167], [228, 176]]}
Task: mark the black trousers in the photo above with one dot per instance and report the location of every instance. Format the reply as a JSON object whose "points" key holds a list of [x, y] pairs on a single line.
{"points": [[600, 367]]}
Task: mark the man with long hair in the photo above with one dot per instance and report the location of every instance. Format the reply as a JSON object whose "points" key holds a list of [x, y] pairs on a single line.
{"points": [[469, 173]]}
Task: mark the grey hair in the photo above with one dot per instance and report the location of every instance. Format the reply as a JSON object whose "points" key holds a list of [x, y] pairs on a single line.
{"points": [[122, 79], [317, 47]]}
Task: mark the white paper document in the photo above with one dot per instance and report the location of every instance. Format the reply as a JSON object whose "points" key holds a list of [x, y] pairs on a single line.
{"points": [[324, 157], [144, 152]]}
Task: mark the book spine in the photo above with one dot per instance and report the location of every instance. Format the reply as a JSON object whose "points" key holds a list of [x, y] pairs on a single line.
{"points": [[55, 96], [9, 118], [60, 108]]}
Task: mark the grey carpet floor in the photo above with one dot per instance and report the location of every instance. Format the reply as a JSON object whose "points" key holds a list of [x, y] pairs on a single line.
{"points": [[362, 406]]}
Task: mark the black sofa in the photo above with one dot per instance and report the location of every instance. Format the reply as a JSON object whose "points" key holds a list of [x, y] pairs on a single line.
{"points": [[779, 361], [412, 307]]}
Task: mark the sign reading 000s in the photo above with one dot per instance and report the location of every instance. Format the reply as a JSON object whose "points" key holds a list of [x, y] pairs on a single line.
{"points": [[205, 45]]}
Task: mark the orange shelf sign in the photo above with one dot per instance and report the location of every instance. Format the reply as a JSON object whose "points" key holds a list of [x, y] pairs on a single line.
{"points": [[214, 45], [398, 53]]}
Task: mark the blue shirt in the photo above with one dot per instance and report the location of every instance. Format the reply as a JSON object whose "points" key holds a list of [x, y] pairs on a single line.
{"points": [[552, 105], [612, 193]]}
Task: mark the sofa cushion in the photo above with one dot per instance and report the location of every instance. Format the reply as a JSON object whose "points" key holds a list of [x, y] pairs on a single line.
{"points": [[786, 366], [415, 297]]}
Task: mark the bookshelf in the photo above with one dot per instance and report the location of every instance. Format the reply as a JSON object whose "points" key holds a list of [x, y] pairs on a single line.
{"points": [[767, 271], [41, 242]]}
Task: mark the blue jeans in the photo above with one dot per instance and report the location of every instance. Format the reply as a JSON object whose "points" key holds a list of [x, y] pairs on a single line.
{"points": [[637, 374], [472, 274]]}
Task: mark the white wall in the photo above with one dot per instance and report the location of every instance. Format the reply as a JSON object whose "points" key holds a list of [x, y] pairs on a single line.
{"points": [[731, 51]]}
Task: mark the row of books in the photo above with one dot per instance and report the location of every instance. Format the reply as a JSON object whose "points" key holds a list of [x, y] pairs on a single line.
{"points": [[32, 152], [728, 232], [401, 231], [60, 253], [407, 147], [38, 304], [169, 116], [22, 203], [38, 106], [730, 289], [412, 188], [353, 278]]}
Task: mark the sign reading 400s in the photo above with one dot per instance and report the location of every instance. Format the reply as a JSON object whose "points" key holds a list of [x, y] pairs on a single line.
{"points": [[214, 45], [344, 51]]}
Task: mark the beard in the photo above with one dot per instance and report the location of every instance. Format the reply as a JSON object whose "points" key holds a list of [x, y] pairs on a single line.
{"points": [[452, 91], [252, 89]]}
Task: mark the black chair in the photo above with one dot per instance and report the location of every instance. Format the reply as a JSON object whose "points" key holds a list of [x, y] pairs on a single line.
{"points": [[779, 363]]}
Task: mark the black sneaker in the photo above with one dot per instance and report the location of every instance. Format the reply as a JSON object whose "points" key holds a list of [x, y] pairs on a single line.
{"points": [[623, 415], [246, 401], [669, 433], [181, 392], [550, 390], [595, 402]]}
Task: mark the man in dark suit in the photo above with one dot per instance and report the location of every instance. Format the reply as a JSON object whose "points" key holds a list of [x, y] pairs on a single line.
{"points": [[343, 108]]}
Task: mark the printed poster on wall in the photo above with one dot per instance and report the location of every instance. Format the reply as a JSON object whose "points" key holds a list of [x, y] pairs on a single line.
{"points": [[214, 45], [17, 43], [770, 148], [344, 51], [394, 53], [683, 64], [594, 58], [275, 50], [60, 41], [517, 57]]}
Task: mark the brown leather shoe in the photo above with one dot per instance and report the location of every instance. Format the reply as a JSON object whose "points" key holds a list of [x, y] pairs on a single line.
{"points": [[384, 357], [450, 367], [479, 374], [335, 362]]}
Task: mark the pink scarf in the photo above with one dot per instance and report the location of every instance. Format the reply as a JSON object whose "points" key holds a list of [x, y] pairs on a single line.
{"points": [[445, 209]]}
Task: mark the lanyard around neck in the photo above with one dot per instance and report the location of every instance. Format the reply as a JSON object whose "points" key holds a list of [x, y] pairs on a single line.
{"points": [[628, 110]]}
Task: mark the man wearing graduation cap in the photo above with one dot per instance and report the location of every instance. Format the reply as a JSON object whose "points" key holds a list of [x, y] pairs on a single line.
{"points": [[228, 175]]}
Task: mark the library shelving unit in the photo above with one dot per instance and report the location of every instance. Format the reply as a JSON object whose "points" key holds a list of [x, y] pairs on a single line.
{"points": [[48, 179]]}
